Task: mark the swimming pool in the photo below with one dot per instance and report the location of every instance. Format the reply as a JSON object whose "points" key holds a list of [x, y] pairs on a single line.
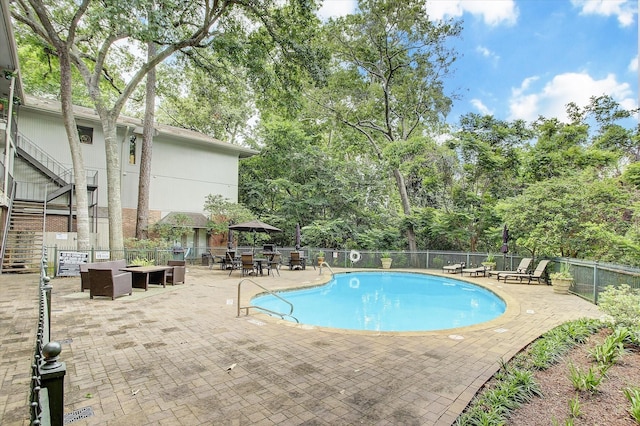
{"points": [[389, 301]]}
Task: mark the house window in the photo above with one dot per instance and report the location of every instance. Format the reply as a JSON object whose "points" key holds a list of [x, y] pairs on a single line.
{"points": [[85, 134], [132, 149]]}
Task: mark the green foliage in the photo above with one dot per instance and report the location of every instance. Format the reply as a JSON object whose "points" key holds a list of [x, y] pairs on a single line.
{"points": [[437, 262], [574, 407], [515, 379], [141, 262], [558, 217], [612, 348], [631, 175], [586, 380], [172, 230], [563, 274], [492, 407], [622, 304], [150, 243], [222, 212], [633, 395]]}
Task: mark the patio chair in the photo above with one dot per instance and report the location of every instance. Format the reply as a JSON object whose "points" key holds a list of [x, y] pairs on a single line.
{"points": [[230, 262], [453, 268], [274, 263], [522, 268], [178, 271], [295, 260], [537, 274], [248, 265]]}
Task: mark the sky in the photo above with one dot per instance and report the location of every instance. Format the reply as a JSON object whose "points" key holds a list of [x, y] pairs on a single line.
{"points": [[519, 59]]}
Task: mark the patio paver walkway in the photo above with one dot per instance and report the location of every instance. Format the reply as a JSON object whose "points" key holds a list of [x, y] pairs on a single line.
{"points": [[162, 358]]}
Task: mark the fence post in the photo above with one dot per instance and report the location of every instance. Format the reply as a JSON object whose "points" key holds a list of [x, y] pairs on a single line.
{"points": [[55, 260], [595, 282], [52, 375]]}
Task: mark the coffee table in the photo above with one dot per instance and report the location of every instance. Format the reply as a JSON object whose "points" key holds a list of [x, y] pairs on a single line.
{"points": [[142, 276]]}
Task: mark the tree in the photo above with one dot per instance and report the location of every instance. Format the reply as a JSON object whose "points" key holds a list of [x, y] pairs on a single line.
{"points": [[574, 216], [142, 212], [88, 34], [386, 86]]}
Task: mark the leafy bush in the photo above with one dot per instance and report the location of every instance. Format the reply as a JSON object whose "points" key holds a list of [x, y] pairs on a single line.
{"points": [[141, 262], [623, 304]]}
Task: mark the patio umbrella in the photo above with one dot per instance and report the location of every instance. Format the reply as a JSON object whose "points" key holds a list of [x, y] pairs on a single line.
{"points": [[298, 237], [254, 226], [505, 239], [505, 246]]}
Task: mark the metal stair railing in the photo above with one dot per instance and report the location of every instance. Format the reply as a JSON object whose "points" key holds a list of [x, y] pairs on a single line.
{"points": [[65, 174], [43, 158], [7, 221], [280, 314]]}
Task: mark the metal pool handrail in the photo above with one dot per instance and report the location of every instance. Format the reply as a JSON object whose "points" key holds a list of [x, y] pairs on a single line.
{"points": [[280, 314], [327, 265]]}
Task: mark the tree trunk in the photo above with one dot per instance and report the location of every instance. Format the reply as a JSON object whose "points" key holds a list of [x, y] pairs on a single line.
{"points": [[142, 220], [79, 172], [116, 240], [406, 207]]}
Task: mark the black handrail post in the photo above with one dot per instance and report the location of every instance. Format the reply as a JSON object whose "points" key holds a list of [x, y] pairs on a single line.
{"points": [[52, 374]]}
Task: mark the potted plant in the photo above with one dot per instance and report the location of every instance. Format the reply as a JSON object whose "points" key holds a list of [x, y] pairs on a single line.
{"points": [[562, 280], [386, 260], [320, 257], [489, 262]]}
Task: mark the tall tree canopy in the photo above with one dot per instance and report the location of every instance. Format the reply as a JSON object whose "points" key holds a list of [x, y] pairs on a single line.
{"points": [[386, 81], [92, 36]]}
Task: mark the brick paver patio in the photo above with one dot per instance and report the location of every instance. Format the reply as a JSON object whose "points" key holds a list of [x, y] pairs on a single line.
{"points": [[162, 358]]}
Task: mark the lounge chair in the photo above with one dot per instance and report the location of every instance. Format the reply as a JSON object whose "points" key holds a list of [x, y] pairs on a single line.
{"points": [[476, 271], [537, 274], [453, 268], [522, 268]]}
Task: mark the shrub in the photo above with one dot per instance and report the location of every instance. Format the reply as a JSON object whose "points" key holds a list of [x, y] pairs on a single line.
{"points": [[622, 303]]}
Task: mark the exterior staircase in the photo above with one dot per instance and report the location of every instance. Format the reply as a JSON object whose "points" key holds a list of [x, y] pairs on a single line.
{"points": [[25, 237]]}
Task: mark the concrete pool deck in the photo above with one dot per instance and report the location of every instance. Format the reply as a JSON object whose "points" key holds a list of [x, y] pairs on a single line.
{"points": [[163, 357]]}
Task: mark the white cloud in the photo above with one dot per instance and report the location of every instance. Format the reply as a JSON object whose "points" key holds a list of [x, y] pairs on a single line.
{"points": [[562, 89], [482, 108], [336, 8], [493, 12], [485, 52], [624, 10], [633, 65]]}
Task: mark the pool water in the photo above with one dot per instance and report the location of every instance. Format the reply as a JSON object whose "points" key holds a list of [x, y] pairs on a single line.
{"points": [[389, 301]]}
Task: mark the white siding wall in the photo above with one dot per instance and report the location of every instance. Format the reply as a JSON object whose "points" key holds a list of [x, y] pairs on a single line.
{"points": [[183, 172], [182, 176]]}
